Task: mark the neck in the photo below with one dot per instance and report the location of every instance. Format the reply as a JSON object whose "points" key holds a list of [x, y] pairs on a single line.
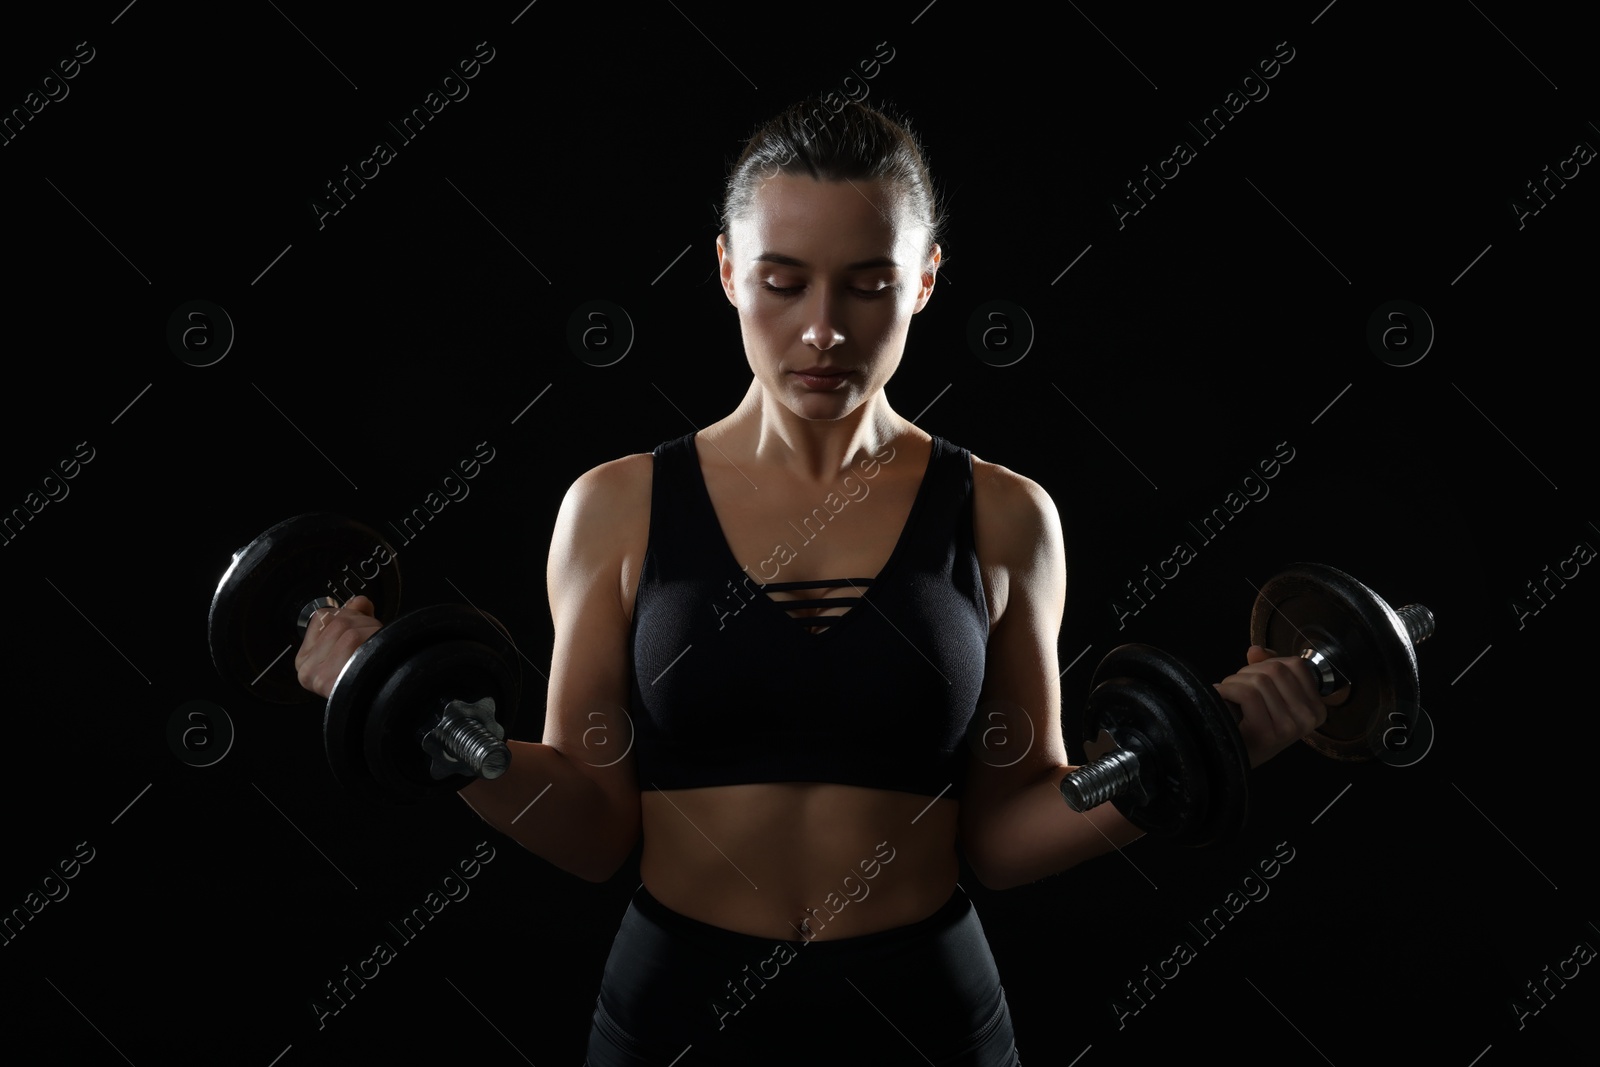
{"points": [[819, 450]]}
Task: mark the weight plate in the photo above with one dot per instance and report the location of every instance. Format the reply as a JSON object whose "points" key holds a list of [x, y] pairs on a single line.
{"points": [[411, 699], [1227, 761], [251, 628], [1311, 605], [1173, 794], [401, 676], [1200, 796]]}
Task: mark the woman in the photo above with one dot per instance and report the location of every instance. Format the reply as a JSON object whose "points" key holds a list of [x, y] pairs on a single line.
{"points": [[788, 619]]}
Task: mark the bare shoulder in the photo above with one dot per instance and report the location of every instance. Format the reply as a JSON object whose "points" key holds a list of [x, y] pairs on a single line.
{"points": [[616, 482], [1016, 530], [604, 525], [1015, 508]]}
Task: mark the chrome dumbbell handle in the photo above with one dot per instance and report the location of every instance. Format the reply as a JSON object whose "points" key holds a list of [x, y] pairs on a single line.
{"points": [[311, 608]]}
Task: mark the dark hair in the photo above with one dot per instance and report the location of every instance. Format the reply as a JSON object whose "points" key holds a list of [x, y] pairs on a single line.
{"points": [[854, 143]]}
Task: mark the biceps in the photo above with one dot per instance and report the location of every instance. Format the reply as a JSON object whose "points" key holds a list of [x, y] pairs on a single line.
{"points": [[587, 715], [1017, 724]]}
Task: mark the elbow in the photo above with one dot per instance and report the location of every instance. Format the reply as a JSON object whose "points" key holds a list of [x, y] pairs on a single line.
{"points": [[595, 870], [600, 864], [593, 857], [993, 871], [1009, 873], [596, 875], [602, 869], [998, 878]]}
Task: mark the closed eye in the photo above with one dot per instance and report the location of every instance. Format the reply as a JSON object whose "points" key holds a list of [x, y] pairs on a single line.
{"points": [[864, 294]]}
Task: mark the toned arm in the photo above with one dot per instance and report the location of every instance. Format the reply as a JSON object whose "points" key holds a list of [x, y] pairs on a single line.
{"points": [[1015, 827], [586, 819]]}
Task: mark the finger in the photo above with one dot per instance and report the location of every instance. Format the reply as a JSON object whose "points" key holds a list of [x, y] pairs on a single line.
{"points": [[1304, 675], [313, 632], [1261, 705], [360, 605], [1268, 701], [1233, 705], [330, 642], [1298, 688], [1256, 731]]}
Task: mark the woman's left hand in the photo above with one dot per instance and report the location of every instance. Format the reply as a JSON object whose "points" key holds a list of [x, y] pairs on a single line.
{"points": [[1278, 701]]}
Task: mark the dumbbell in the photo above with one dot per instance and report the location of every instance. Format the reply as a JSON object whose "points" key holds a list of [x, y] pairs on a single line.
{"points": [[424, 703], [1179, 767]]}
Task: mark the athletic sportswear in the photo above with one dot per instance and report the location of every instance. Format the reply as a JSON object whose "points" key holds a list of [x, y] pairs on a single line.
{"points": [[730, 688], [678, 992]]}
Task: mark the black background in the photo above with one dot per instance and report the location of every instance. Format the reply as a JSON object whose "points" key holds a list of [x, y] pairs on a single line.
{"points": [[1227, 316]]}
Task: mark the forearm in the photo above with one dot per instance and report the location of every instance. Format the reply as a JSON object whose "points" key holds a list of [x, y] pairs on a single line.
{"points": [[556, 810], [1033, 834]]}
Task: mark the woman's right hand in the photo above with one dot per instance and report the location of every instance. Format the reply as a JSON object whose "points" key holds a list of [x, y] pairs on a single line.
{"points": [[332, 637]]}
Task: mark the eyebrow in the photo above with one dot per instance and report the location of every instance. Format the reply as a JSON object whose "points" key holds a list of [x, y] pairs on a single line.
{"points": [[790, 261]]}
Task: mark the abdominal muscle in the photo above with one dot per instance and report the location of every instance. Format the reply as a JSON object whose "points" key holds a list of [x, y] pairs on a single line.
{"points": [[763, 858]]}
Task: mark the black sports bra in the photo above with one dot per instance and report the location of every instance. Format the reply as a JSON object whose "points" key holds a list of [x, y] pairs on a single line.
{"points": [[730, 688]]}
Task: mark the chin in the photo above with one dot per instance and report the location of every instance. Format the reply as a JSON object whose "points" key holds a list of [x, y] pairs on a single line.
{"points": [[833, 412]]}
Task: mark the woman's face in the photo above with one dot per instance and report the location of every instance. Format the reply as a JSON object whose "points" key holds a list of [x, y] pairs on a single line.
{"points": [[825, 275]]}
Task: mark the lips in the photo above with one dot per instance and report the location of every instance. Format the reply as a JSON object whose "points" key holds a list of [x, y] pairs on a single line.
{"points": [[822, 378]]}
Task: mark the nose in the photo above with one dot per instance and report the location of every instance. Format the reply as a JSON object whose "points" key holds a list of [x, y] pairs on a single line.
{"points": [[822, 327]]}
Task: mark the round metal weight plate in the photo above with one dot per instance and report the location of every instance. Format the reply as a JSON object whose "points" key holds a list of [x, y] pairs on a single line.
{"points": [[1202, 795], [1136, 718], [399, 677], [1311, 605], [251, 627], [411, 699]]}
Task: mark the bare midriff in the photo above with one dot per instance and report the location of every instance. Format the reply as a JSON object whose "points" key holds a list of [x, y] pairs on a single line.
{"points": [[799, 861]]}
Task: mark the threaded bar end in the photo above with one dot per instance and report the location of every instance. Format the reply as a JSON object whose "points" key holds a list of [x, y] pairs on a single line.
{"points": [[1418, 621], [1100, 780]]}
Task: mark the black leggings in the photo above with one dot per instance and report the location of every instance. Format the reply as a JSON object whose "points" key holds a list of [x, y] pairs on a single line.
{"points": [[683, 993]]}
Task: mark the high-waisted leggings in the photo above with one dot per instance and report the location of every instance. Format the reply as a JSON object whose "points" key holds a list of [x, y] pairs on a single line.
{"points": [[678, 992]]}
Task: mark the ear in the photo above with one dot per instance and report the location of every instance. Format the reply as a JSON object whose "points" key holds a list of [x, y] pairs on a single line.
{"points": [[725, 269], [930, 271]]}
